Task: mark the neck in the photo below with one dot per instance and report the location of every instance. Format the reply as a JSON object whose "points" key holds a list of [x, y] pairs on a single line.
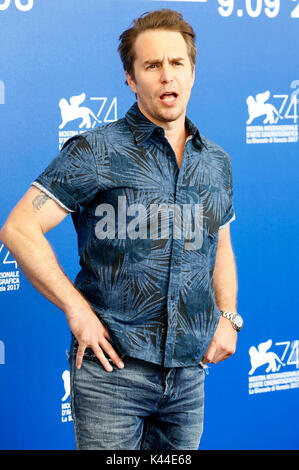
{"points": [[175, 131]]}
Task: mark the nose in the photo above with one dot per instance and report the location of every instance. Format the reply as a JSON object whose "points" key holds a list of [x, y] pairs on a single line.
{"points": [[166, 74]]}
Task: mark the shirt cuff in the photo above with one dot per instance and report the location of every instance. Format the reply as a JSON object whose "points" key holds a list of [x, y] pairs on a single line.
{"points": [[46, 191], [230, 220]]}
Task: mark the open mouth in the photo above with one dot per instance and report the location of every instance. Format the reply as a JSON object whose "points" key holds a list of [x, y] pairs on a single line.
{"points": [[169, 97]]}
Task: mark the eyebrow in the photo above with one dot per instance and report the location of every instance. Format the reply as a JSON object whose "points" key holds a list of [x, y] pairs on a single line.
{"points": [[158, 61]]}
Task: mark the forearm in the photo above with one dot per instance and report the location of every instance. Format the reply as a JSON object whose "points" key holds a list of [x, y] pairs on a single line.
{"points": [[225, 279], [37, 261]]}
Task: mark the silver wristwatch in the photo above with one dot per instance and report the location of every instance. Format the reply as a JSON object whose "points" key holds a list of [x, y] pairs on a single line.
{"points": [[235, 318]]}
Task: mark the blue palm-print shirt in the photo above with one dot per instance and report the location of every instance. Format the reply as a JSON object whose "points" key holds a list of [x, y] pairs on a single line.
{"points": [[153, 293]]}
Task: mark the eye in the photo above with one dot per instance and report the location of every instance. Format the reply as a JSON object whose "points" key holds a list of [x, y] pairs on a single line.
{"points": [[177, 63], [151, 66]]}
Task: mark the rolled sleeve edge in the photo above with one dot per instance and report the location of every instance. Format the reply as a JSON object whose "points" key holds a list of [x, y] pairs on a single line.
{"points": [[228, 222], [51, 195]]}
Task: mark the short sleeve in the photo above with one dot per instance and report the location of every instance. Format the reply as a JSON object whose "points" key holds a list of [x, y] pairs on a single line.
{"points": [[71, 178], [229, 214]]}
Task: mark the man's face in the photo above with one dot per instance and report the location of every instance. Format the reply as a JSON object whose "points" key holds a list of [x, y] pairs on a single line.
{"points": [[163, 75]]}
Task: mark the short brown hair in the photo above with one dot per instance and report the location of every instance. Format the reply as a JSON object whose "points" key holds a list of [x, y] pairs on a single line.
{"points": [[165, 19]]}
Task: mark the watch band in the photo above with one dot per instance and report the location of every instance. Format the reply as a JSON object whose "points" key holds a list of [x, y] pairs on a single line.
{"points": [[227, 314], [234, 317]]}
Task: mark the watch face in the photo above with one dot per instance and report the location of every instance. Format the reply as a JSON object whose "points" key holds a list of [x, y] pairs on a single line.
{"points": [[238, 321]]}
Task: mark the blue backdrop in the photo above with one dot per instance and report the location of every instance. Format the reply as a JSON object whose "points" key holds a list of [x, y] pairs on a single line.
{"points": [[246, 99]]}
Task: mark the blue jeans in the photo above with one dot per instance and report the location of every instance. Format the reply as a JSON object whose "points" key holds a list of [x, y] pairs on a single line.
{"points": [[142, 406]]}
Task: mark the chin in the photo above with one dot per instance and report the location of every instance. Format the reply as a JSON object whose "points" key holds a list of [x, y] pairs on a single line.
{"points": [[170, 115]]}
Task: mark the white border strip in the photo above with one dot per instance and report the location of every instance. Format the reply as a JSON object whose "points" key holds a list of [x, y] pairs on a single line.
{"points": [[39, 186]]}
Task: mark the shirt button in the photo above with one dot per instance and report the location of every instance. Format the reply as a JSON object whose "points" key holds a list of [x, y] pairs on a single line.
{"points": [[176, 261], [163, 330], [172, 296]]}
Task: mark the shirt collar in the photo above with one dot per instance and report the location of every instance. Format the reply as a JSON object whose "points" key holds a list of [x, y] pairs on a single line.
{"points": [[142, 128]]}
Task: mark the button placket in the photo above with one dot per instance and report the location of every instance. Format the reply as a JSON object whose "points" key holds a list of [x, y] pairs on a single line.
{"points": [[175, 268]]}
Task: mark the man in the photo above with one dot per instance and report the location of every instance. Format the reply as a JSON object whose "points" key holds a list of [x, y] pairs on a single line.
{"points": [[144, 310]]}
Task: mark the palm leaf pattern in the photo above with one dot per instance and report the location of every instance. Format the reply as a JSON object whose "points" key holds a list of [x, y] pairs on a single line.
{"points": [[154, 294]]}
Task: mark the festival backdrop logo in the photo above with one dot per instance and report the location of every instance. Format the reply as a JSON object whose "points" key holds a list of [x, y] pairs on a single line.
{"points": [[272, 118], [274, 367], [79, 114], [9, 277], [66, 414]]}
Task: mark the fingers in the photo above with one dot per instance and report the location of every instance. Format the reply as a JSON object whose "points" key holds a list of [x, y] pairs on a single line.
{"points": [[101, 357], [98, 351], [112, 354], [217, 353], [79, 356], [106, 334], [210, 354]]}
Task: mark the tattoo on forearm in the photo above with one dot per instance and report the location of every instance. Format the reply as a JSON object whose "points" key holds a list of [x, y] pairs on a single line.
{"points": [[39, 201]]}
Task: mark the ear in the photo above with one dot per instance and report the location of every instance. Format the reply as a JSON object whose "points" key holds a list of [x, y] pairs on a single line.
{"points": [[193, 75], [131, 82]]}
